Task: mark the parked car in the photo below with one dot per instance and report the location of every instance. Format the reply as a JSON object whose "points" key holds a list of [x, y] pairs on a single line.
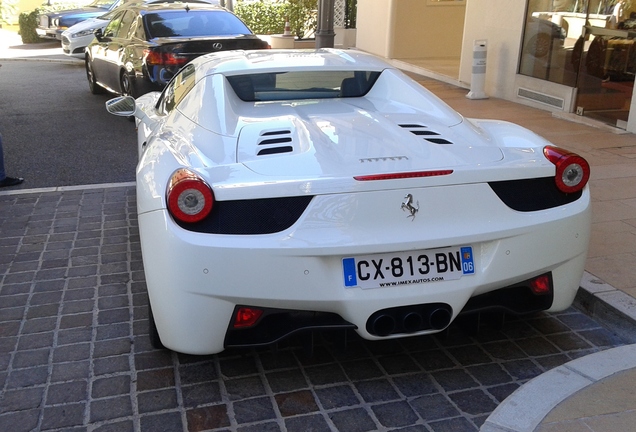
{"points": [[76, 38], [144, 45], [282, 191], [52, 24]]}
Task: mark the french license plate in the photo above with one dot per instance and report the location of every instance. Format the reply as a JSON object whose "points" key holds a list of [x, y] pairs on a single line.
{"points": [[405, 268]]}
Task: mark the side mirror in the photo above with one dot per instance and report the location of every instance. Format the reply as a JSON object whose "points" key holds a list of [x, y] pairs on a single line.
{"points": [[121, 106], [125, 106], [99, 34]]}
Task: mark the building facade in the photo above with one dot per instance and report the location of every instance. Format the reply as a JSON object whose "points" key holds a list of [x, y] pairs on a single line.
{"points": [[573, 57]]}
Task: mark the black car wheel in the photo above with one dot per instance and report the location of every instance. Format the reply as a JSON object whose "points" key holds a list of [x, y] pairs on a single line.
{"points": [[90, 75], [126, 85]]}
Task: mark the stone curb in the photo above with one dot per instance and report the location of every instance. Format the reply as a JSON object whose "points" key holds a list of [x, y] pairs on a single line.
{"points": [[612, 307], [69, 61], [524, 410]]}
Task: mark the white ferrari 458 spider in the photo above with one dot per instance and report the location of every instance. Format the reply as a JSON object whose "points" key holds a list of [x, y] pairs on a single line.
{"points": [[286, 191]]}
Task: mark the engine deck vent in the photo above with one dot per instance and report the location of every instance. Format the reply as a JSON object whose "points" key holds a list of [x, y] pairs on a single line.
{"points": [[423, 131], [542, 98], [275, 142]]}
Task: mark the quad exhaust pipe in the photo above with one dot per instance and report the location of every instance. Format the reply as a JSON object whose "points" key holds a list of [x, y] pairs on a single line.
{"points": [[410, 319]]}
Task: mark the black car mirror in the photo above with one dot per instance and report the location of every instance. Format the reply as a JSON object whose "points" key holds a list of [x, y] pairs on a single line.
{"points": [[99, 35]]}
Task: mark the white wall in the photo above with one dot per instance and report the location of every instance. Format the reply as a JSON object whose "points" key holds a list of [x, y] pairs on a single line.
{"points": [[409, 29], [374, 25], [501, 23], [427, 31]]}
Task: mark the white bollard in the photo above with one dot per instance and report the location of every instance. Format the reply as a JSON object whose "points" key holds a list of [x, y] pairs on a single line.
{"points": [[478, 79], [287, 31]]}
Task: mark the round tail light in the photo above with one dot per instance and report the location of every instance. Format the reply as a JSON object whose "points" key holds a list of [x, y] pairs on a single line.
{"points": [[572, 171], [189, 197]]}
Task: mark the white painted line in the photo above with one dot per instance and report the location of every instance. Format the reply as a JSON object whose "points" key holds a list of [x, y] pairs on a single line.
{"points": [[65, 188]]}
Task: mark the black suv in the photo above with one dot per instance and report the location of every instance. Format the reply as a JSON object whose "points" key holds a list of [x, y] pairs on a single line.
{"points": [[144, 45]]}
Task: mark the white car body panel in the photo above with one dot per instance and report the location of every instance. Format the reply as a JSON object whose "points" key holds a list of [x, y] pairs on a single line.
{"points": [[195, 280], [80, 35], [302, 268]]}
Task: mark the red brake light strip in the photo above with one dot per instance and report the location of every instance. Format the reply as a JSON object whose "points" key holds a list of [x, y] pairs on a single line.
{"points": [[406, 175]]}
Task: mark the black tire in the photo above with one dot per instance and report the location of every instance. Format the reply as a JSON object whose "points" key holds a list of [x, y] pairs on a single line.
{"points": [[126, 85], [127, 89], [90, 76], [153, 334]]}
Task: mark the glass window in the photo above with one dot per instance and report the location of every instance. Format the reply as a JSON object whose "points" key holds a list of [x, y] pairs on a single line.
{"points": [[177, 89], [555, 36], [302, 85], [552, 29], [194, 23], [607, 63], [137, 29], [126, 21], [113, 26], [587, 44]]}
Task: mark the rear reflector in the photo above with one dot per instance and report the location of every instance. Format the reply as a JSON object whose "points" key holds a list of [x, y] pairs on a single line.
{"points": [[395, 176], [541, 285], [247, 317]]}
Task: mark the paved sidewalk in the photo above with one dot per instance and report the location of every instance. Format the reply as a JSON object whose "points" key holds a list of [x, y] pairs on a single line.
{"points": [[11, 47], [593, 392], [602, 401], [75, 354]]}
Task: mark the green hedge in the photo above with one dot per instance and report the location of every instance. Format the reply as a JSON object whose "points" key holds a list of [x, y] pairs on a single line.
{"points": [[28, 22], [269, 18], [262, 18]]}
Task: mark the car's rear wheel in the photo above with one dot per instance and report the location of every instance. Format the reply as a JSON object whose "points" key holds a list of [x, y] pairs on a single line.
{"points": [[92, 83], [125, 84], [153, 333]]}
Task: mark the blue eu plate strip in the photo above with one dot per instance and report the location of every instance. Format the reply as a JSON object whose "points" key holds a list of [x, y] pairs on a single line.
{"points": [[468, 265], [349, 266]]}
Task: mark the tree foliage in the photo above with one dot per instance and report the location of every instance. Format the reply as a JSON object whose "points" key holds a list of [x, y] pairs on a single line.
{"points": [[8, 11], [265, 17]]}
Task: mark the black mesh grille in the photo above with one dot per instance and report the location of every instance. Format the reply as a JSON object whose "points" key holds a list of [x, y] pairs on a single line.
{"points": [[532, 194], [257, 216]]}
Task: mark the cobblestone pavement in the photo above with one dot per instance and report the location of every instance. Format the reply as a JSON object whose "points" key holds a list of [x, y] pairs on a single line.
{"points": [[75, 354]]}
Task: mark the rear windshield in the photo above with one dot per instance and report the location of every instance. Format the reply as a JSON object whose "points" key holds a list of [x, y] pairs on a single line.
{"points": [[193, 23], [302, 85]]}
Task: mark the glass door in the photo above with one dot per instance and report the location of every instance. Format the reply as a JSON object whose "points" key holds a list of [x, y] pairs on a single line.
{"points": [[587, 44], [606, 74]]}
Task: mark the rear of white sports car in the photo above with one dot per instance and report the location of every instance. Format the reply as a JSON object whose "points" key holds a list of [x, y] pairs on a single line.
{"points": [[265, 214]]}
